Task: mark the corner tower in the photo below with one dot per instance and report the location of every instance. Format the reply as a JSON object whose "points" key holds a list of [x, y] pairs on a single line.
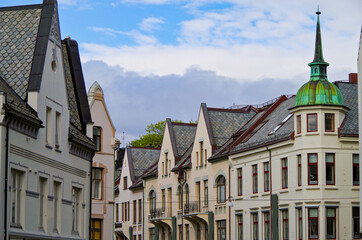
{"points": [[318, 90]]}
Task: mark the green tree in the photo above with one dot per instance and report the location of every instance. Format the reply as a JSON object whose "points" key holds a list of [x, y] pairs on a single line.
{"points": [[153, 136]]}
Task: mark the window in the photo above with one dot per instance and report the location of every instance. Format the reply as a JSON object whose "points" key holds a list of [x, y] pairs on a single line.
{"points": [[198, 195], [128, 211], [134, 211], [331, 223], [205, 157], [198, 231], [117, 212], [187, 195], [166, 166], [267, 232], [330, 172], [122, 212], [97, 138], [201, 153], [240, 181], [221, 230], [355, 217], [299, 124], [284, 173], [300, 223], [152, 197], [285, 224], [43, 197], [313, 223], [179, 197], [76, 193], [197, 159], [16, 196], [255, 226], [96, 229], [163, 168], [97, 183], [329, 122], [187, 232], [312, 122], [312, 169], [180, 234], [163, 200], [139, 211], [221, 187], [266, 177], [299, 158], [57, 129], [240, 226], [48, 126], [255, 178], [125, 182], [356, 169], [152, 232], [57, 205], [206, 193]]}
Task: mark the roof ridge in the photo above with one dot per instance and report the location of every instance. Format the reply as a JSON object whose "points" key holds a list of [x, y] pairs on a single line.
{"points": [[21, 7]]}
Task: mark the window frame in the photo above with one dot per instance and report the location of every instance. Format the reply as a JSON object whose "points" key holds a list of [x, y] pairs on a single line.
{"points": [[125, 182], [100, 182], [163, 200], [309, 223], [316, 119], [284, 165], [134, 211], [240, 226], [299, 170], [267, 226], [334, 219], [98, 137], [356, 217], [325, 122], [201, 155], [299, 223], [206, 193], [221, 226], [355, 166], [309, 166], [285, 224], [221, 198], [266, 177], [140, 211], [299, 124], [255, 178], [240, 181], [332, 165], [93, 229], [152, 203], [255, 226]]}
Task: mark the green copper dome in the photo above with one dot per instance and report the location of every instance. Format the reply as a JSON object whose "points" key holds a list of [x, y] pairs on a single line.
{"points": [[318, 90]]}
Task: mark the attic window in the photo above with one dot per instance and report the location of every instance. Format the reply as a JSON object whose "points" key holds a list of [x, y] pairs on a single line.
{"points": [[281, 124], [54, 65]]}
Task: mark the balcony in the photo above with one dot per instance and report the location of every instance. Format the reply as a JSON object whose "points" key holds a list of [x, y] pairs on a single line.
{"points": [[118, 225], [160, 213], [195, 207]]}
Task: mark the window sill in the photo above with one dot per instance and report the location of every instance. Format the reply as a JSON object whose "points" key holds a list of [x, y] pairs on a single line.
{"points": [[255, 195], [220, 204], [331, 188], [299, 189], [284, 191], [18, 226], [330, 133], [48, 146], [58, 150], [239, 198], [265, 194], [313, 188], [298, 135], [311, 133], [355, 188]]}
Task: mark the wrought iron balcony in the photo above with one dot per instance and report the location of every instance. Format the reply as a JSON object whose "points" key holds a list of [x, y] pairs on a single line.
{"points": [[160, 213], [195, 207], [118, 225]]}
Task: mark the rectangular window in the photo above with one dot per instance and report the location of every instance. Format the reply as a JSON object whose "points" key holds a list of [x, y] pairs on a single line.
{"points": [[300, 223], [201, 153], [57, 129], [152, 232], [96, 183], [76, 193], [123, 212], [330, 169], [312, 169], [166, 162], [240, 181], [48, 126], [331, 223], [96, 229], [299, 159], [163, 168], [57, 205], [355, 218], [163, 200], [267, 232], [180, 234], [312, 122], [43, 197], [255, 226], [187, 232], [221, 230], [285, 224], [313, 223], [128, 211], [16, 197], [255, 178], [198, 195], [125, 182], [139, 211], [329, 122], [266, 177], [197, 159], [356, 169], [240, 226], [284, 173], [206, 193], [299, 124], [205, 157], [117, 212], [134, 211], [97, 138]]}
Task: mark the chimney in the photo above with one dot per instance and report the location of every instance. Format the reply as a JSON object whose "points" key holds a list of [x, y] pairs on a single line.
{"points": [[352, 77]]}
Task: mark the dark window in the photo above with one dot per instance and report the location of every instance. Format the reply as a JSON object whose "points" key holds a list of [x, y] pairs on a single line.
{"points": [[355, 216], [221, 230], [329, 122], [299, 124], [152, 232], [124, 182], [134, 211], [201, 153], [187, 232], [240, 181], [313, 223], [96, 183], [355, 169], [285, 219], [331, 223], [206, 192], [267, 233], [180, 234], [300, 223], [97, 136], [152, 197], [163, 200], [139, 210], [284, 173], [221, 189], [179, 197], [266, 177], [312, 122], [255, 227], [255, 178], [240, 226], [96, 229], [299, 158], [330, 169], [187, 195], [312, 169]]}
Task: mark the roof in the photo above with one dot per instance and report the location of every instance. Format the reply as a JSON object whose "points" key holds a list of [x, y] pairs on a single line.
{"points": [[140, 159], [151, 171], [185, 161]]}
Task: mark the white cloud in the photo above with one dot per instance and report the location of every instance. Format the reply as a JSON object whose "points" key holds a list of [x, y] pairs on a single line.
{"points": [[150, 24], [156, 2]]}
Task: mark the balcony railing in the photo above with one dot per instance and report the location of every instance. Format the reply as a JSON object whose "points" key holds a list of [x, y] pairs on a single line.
{"points": [[195, 207], [160, 213], [117, 224]]}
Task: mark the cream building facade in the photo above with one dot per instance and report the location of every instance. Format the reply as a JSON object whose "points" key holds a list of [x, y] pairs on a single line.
{"points": [[102, 212], [45, 128]]}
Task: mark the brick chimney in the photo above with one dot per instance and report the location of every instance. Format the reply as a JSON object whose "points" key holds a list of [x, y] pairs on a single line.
{"points": [[353, 77]]}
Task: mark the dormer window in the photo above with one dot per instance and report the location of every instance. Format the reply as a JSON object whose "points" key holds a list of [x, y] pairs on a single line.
{"points": [[329, 122], [312, 122]]}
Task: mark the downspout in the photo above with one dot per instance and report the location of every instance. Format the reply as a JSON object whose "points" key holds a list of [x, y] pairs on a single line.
{"points": [[143, 211], [229, 200], [6, 177], [90, 200], [270, 187]]}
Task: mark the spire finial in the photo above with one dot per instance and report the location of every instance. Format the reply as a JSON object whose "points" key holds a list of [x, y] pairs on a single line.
{"points": [[318, 12]]}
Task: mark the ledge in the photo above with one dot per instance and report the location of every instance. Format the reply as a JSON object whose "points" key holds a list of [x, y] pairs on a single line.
{"points": [[254, 196], [265, 194], [298, 189], [331, 188], [313, 188], [312, 133], [284, 191]]}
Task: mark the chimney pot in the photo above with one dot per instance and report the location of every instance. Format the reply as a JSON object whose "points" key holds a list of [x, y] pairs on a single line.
{"points": [[352, 77]]}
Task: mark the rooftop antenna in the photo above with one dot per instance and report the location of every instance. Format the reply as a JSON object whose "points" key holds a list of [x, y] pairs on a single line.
{"points": [[123, 139], [318, 12]]}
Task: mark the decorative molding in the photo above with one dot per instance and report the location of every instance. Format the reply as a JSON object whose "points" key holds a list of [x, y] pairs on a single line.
{"points": [[32, 194], [67, 202]]}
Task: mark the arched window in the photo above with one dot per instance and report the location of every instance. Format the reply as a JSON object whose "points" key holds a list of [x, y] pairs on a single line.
{"points": [[187, 194], [152, 197], [221, 189], [179, 197]]}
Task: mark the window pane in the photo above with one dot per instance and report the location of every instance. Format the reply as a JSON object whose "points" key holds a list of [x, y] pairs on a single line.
{"points": [[329, 121], [312, 158], [312, 122]]}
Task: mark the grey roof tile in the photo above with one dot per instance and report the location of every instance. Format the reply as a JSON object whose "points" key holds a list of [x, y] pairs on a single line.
{"points": [[184, 135], [142, 159]]}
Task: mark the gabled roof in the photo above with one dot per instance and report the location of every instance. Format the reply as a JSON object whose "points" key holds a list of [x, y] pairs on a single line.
{"points": [[185, 161], [151, 171]]}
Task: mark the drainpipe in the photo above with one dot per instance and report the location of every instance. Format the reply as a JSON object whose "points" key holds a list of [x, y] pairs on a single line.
{"points": [[90, 200], [6, 177], [270, 187], [143, 212], [229, 200]]}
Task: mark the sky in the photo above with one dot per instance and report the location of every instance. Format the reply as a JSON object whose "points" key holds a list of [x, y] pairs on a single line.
{"points": [[158, 59]]}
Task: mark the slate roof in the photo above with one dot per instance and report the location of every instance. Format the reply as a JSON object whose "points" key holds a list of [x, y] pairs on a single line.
{"points": [[350, 99], [140, 159], [184, 135], [152, 170], [185, 160], [18, 34]]}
